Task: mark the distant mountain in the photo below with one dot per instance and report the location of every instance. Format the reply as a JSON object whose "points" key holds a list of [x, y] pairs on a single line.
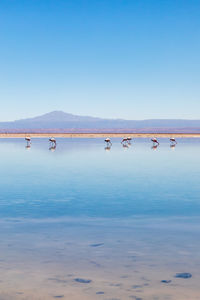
{"points": [[64, 122]]}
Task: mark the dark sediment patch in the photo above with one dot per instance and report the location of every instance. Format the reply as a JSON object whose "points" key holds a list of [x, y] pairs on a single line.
{"points": [[97, 245], [95, 264], [183, 275], [113, 299], [58, 280], [58, 296], [128, 266], [47, 261], [19, 293], [100, 293], [145, 279], [133, 258], [137, 286], [81, 280], [135, 297], [124, 276], [116, 284], [166, 281]]}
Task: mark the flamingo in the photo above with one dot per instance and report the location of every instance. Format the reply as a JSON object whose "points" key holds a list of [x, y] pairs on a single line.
{"points": [[28, 139], [108, 141], [155, 141], [125, 140], [52, 141], [52, 148], [172, 140]]}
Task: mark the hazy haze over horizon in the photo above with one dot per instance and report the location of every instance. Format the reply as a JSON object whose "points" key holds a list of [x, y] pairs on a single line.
{"points": [[59, 113]]}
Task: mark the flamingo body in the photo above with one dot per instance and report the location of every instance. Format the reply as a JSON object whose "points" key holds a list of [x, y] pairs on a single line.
{"points": [[107, 140], [52, 140], [124, 140], [154, 140], [173, 140]]}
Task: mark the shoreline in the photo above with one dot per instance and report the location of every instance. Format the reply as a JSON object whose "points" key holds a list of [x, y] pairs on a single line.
{"points": [[100, 135]]}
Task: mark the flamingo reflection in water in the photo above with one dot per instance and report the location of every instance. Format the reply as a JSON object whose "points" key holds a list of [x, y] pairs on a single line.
{"points": [[28, 147], [172, 146], [129, 139], [52, 148], [126, 146], [154, 147], [107, 148]]}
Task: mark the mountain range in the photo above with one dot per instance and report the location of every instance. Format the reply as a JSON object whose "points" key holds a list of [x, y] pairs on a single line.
{"points": [[59, 121]]}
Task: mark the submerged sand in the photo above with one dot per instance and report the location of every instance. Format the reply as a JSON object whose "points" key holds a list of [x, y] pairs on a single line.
{"points": [[99, 259]]}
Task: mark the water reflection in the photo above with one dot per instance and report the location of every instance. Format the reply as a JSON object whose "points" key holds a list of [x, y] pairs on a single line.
{"points": [[172, 146], [82, 213], [107, 148], [155, 147], [52, 148], [95, 184], [125, 146]]}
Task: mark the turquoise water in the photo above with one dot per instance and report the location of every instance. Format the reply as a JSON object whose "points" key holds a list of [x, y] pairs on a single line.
{"points": [[85, 222], [81, 178]]}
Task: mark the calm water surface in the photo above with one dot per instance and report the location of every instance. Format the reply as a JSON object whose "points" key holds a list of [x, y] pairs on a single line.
{"points": [[84, 222]]}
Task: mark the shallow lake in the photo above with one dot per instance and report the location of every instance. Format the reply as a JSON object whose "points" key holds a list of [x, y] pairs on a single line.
{"points": [[83, 221]]}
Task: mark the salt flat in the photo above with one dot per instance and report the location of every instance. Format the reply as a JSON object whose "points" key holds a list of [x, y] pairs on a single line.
{"points": [[99, 135]]}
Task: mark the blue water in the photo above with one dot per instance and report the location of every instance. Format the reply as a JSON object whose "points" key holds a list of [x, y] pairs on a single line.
{"points": [[122, 220], [82, 179]]}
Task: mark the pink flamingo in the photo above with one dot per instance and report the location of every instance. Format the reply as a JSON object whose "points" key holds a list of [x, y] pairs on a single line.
{"points": [[155, 141], [125, 140], [108, 141], [52, 140], [28, 140], [172, 140]]}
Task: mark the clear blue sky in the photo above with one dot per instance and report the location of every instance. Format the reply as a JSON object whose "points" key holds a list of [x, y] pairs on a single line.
{"points": [[133, 59]]}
